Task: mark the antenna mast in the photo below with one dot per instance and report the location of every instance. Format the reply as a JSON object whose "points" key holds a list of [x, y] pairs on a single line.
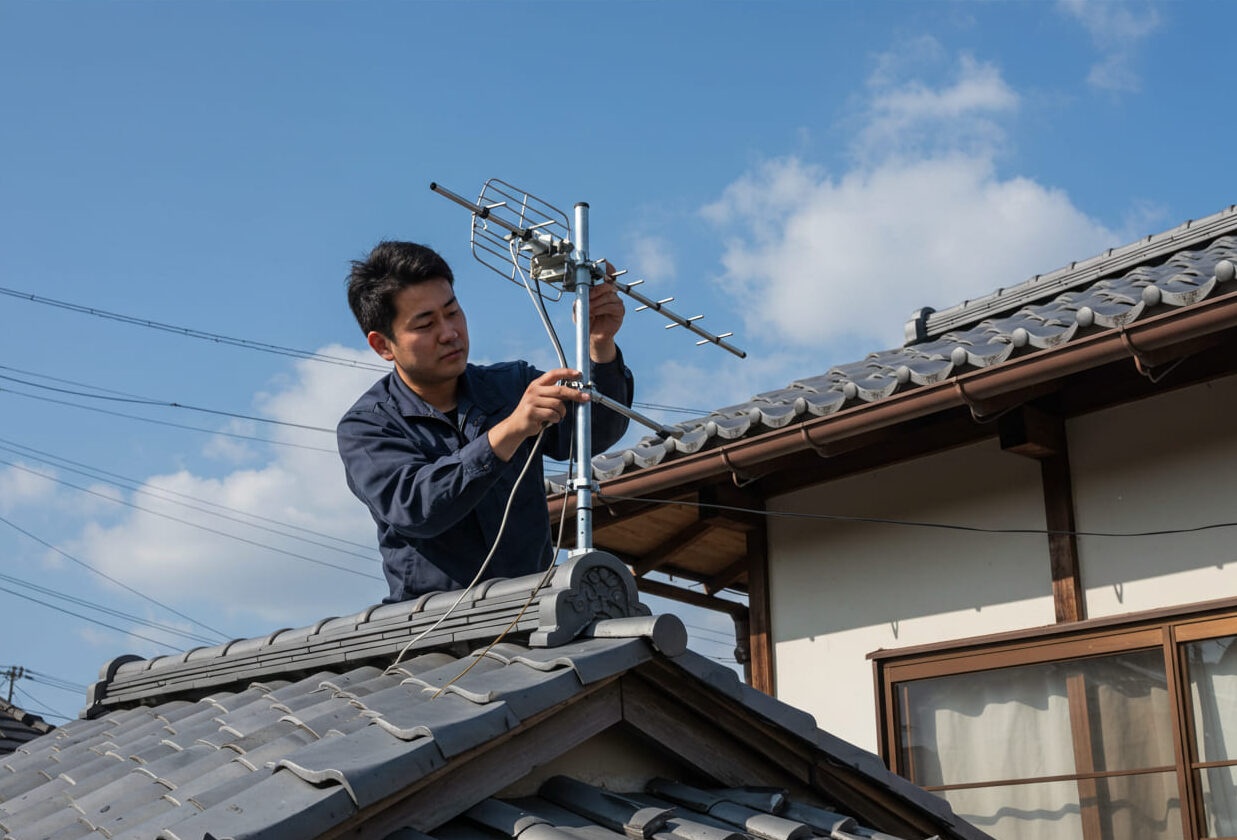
{"points": [[517, 234]]}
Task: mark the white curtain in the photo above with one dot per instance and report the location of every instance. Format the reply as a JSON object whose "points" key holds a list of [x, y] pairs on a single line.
{"points": [[1015, 723], [1212, 668]]}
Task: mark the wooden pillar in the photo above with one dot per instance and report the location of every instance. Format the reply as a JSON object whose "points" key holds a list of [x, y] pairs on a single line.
{"points": [[1067, 595], [1040, 435], [1084, 757], [761, 636]]}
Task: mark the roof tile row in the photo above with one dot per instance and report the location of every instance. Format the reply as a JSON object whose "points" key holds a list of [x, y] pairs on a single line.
{"points": [[1183, 278]]}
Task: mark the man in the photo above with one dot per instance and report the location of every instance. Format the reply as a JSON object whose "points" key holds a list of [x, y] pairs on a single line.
{"points": [[434, 448]]}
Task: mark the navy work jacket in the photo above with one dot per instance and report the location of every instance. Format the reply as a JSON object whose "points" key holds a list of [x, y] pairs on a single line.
{"points": [[436, 489]]}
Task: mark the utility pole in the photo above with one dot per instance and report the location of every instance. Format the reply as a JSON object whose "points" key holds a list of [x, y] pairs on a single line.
{"points": [[14, 673]]}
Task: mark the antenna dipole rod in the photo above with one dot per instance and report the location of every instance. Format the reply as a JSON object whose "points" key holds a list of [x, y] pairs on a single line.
{"points": [[479, 210], [689, 323], [598, 398]]}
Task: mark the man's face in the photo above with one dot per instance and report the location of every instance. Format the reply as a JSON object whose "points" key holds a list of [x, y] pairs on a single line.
{"points": [[429, 342]]}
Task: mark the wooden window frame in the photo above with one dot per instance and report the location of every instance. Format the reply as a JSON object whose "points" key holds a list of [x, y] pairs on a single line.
{"points": [[1167, 630]]}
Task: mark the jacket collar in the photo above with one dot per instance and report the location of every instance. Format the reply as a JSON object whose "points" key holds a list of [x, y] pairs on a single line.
{"points": [[470, 394]]}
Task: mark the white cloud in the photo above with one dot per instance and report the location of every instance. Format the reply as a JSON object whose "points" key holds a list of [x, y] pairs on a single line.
{"points": [[913, 117], [652, 259], [230, 583], [714, 384], [1117, 30], [922, 218], [19, 486]]}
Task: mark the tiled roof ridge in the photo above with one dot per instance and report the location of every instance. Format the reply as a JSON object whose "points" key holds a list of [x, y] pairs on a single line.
{"points": [[25, 718], [586, 593], [18, 726], [280, 759], [927, 323], [1181, 279]]}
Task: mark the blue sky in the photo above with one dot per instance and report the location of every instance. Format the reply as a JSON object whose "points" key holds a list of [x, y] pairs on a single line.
{"points": [[805, 174]]}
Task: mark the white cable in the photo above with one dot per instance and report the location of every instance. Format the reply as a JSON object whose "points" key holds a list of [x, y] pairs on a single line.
{"points": [[539, 303], [485, 563], [562, 360], [545, 580]]}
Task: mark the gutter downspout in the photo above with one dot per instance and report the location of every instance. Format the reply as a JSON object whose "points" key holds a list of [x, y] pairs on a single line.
{"points": [[744, 456]]}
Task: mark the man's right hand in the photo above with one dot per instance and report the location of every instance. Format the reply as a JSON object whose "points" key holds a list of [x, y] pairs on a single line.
{"points": [[544, 402]]}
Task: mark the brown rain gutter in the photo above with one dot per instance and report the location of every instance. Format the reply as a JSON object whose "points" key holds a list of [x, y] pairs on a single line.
{"points": [[742, 457]]}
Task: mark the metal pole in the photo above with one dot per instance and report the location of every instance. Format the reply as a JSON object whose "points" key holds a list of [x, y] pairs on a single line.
{"points": [[584, 410]]}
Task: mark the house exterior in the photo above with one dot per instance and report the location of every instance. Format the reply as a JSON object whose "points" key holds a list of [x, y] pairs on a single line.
{"points": [[543, 708], [1009, 540]]}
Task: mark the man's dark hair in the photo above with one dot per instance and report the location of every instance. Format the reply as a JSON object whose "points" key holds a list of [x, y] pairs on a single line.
{"points": [[374, 281]]}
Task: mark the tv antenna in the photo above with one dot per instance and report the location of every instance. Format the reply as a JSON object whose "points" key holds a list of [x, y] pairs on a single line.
{"points": [[517, 234]]}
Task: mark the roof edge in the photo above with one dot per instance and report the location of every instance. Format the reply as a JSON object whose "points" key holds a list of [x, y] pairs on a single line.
{"points": [[744, 457], [928, 323], [588, 593]]}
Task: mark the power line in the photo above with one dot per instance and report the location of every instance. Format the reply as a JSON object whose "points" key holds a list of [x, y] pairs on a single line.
{"points": [[695, 412], [98, 410], [725, 637], [68, 381], [196, 525], [52, 682], [217, 338], [136, 400], [251, 344], [907, 523], [46, 710], [115, 613], [57, 460], [108, 577], [88, 618], [136, 487]]}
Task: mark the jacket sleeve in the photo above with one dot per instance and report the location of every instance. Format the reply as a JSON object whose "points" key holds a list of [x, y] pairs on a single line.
{"points": [[615, 381], [417, 494]]}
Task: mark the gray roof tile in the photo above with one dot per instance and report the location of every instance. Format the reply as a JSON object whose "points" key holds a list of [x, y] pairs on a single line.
{"points": [[1178, 268], [614, 811], [155, 823], [568, 807], [371, 764], [591, 659], [280, 807], [218, 776], [454, 723], [292, 757], [52, 824], [44, 806], [525, 690], [189, 763], [17, 726]]}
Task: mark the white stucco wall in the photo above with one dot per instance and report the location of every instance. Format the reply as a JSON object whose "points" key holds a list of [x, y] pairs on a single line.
{"points": [[842, 590], [1165, 462]]}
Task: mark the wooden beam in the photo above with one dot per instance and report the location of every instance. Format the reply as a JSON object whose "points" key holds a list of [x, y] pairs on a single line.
{"points": [[761, 676], [726, 495], [709, 736], [1067, 593], [605, 518], [1084, 760], [727, 575], [696, 599], [666, 553], [1031, 432]]}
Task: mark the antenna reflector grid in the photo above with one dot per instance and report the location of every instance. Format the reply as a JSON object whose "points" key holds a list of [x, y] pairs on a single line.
{"points": [[494, 244]]}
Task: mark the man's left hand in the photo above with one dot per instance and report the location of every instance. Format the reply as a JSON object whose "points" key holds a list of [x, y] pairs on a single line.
{"points": [[605, 317]]}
